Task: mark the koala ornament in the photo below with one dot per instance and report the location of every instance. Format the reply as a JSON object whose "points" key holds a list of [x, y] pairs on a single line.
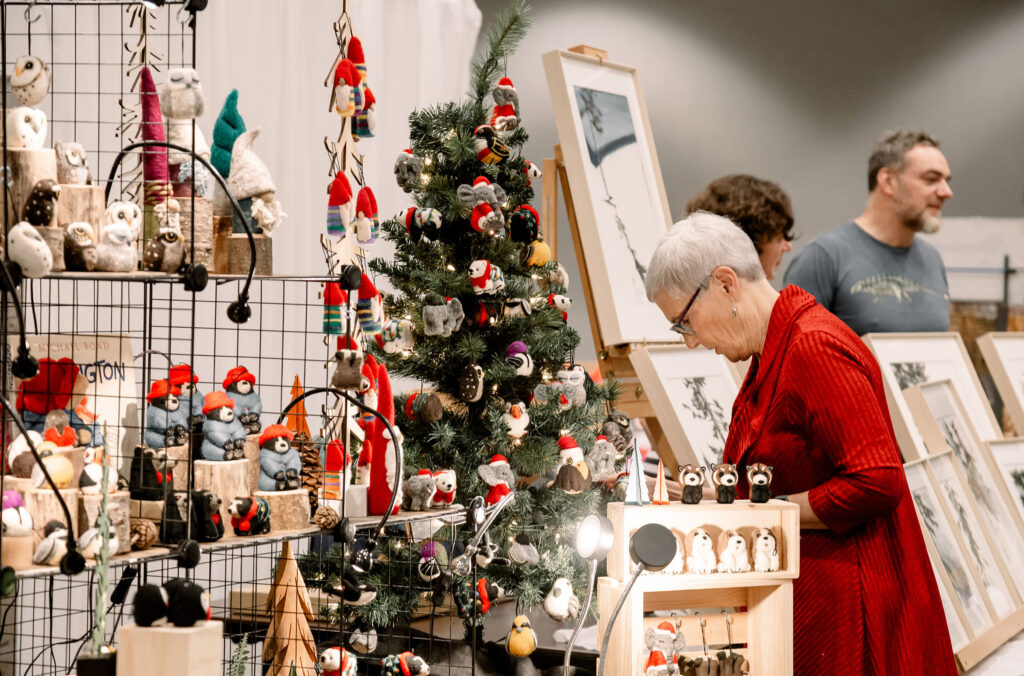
{"points": [[72, 164], [497, 474], [733, 556], [700, 552], [408, 169], [444, 495], [766, 551], [574, 384], [486, 278], [239, 384], [250, 516], [223, 435], [692, 479], [348, 366], [724, 478], [759, 476], [485, 200], [505, 115], [280, 465], [471, 383], [488, 147], [419, 491], [663, 643], [162, 429]]}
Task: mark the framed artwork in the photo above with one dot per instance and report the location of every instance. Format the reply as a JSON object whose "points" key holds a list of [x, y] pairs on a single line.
{"points": [[943, 422], [692, 393], [1009, 458], [615, 181], [1004, 354], [957, 633], [943, 546], [908, 359]]}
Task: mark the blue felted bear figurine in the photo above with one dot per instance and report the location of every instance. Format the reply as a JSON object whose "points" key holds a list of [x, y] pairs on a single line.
{"points": [[239, 385], [280, 465], [223, 435], [162, 428]]}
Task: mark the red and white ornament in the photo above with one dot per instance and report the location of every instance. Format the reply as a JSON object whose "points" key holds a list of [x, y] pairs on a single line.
{"points": [[486, 277], [485, 199]]}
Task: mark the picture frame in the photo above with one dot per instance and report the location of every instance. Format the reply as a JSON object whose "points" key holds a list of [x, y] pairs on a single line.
{"points": [[617, 191], [907, 359], [1004, 353], [692, 392], [944, 547], [1008, 455], [954, 618]]}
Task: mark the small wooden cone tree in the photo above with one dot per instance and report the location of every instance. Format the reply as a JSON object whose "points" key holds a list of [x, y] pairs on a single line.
{"points": [[289, 643], [296, 418]]}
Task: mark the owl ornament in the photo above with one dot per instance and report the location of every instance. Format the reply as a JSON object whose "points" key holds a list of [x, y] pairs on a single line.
{"points": [[485, 201], [166, 251], [488, 147], [114, 253], [126, 213], [505, 114], [30, 81], [181, 101], [72, 164], [79, 247], [25, 128], [26, 247], [471, 383], [41, 203]]}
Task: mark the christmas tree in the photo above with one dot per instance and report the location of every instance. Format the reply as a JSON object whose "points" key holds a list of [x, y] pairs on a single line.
{"points": [[289, 646]]}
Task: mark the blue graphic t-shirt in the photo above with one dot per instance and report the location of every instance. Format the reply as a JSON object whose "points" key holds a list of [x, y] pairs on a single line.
{"points": [[872, 286]]}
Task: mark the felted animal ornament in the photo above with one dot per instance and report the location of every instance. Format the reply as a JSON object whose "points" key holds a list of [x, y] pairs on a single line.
{"points": [[663, 642], [766, 550], [53, 546], [471, 383], [404, 664], [479, 314], [16, 521], [601, 459], [162, 428], [441, 316], [369, 307], [505, 115], [166, 251], [187, 603], [57, 429], [517, 307], [724, 478], [41, 202], [19, 458], [535, 254], [150, 473], [207, 524], [397, 336], [517, 418], [573, 474], [693, 483], [489, 148], [72, 164], [532, 172], [560, 303], [365, 222], [346, 83], [11, 500], [425, 408], [418, 491], [126, 213], [561, 603], [143, 533], [519, 358], [523, 552], [190, 401], [27, 248], [30, 81], [433, 561], [364, 123], [733, 556], [363, 638], [486, 278], [280, 465], [574, 383], [114, 253], [25, 128], [524, 224], [348, 366], [181, 102], [223, 435], [445, 484], [497, 474], [759, 476], [700, 552], [559, 277], [337, 662], [91, 541], [422, 224], [485, 199], [617, 430], [250, 516], [522, 639], [79, 247], [475, 600], [552, 393], [340, 205], [239, 384], [408, 170], [89, 479], [228, 127], [150, 605]]}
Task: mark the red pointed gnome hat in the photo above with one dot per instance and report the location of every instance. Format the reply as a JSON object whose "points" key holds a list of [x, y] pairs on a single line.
{"points": [[334, 294], [341, 190], [346, 73], [155, 174], [337, 458], [215, 400], [366, 203], [161, 388], [50, 388], [348, 343], [237, 375], [369, 99], [355, 51], [275, 431], [366, 288], [385, 399], [181, 374]]}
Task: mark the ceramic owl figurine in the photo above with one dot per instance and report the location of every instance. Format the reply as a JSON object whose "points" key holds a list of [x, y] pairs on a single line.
{"points": [[25, 128], [26, 247], [181, 101], [72, 164], [79, 247], [30, 81], [114, 253], [166, 251]]}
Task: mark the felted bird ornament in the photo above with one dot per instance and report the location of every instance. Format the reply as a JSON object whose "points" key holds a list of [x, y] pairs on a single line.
{"points": [[536, 254], [27, 248], [561, 603], [16, 521], [41, 202], [79, 247], [72, 164], [25, 127], [522, 639], [408, 170], [166, 251], [573, 474], [54, 545], [517, 418], [114, 253], [471, 383], [58, 465], [489, 148], [127, 213], [505, 115], [91, 541], [523, 552], [485, 200], [30, 81]]}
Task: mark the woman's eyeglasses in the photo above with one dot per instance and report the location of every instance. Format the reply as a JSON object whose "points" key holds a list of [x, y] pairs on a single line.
{"points": [[680, 326]]}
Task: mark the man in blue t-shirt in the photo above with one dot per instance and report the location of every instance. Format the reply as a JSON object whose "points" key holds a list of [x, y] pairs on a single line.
{"points": [[873, 272]]}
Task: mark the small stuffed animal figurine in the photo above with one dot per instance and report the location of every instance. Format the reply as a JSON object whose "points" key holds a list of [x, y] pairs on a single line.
{"points": [[346, 81], [190, 401], [441, 316], [26, 128], [348, 366], [337, 661], [471, 383], [79, 247], [692, 479], [733, 556], [223, 436], [700, 552], [16, 520], [505, 116], [724, 478], [54, 545], [166, 251], [405, 664], [488, 147], [663, 642], [519, 358], [187, 603], [522, 639], [207, 524], [250, 516], [280, 464], [91, 541], [516, 307], [29, 250], [561, 603], [444, 495], [616, 428], [422, 223], [532, 171], [766, 551], [396, 336], [419, 491], [125, 213], [181, 101], [524, 224], [57, 464], [114, 253], [523, 552], [30, 81], [486, 278], [425, 408], [366, 222], [497, 474], [759, 476], [369, 307], [72, 164], [340, 205], [485, 200], [239, 384], [517, 418], [535, 254], [574, 383], [573, 474], [560, 303], [41, 202], [161, 416], [408, 170], [601, 459]]}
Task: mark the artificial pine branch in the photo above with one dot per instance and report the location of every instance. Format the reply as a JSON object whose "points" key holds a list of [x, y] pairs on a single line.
{"points": [[505, 35]]}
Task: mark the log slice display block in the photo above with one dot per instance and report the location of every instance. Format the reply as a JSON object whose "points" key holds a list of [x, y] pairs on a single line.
{"points": [[118, 508], [44, 506], [289, 510], [228, 479], [170, 650]]}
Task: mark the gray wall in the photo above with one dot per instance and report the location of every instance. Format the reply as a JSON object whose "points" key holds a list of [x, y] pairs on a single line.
{"points": [[796, 92]]}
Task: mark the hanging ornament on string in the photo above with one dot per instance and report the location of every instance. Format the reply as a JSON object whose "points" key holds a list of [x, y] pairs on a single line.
{"points": [[532, 172], [488, 147], [408, 170], [346, 88], [505, 114], [485, 199], [340, 206], [487, 279], [366, 222], [421, 223]]}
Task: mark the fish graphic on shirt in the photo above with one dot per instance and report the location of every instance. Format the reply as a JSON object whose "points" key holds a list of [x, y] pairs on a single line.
{"points": [[891, 284]]}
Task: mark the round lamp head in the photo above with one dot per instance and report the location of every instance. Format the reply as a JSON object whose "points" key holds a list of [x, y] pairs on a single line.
{"points": [[654, 546], [594, 537], [477, 511]]}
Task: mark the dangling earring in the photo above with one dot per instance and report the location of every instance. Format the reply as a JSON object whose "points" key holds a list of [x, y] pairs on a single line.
{"points": [[734, 312]]}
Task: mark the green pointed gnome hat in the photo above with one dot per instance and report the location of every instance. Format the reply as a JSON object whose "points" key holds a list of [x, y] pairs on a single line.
{"points": [[228, 127], [249, 176]]}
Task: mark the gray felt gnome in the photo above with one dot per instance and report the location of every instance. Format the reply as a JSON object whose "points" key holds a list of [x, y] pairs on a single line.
{"points": [[251, 184]]}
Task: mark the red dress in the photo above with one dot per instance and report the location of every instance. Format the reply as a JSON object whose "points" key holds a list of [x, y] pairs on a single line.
{"points": [[813, 408]]}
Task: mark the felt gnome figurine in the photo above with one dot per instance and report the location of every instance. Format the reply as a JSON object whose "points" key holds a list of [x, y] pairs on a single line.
{"points": [[364, 123], [366, 222], [280, 465], [505, 115], [239, 384], [346, 84], [161, 416], [156, 176], [252, 186], [489, 148], [499, 476], [223, 435], [340, 206], [370, 307], [573, 474], [337, 472], [485, 200], [335, 302], [385, 455], [190, 401], [229, 126]]}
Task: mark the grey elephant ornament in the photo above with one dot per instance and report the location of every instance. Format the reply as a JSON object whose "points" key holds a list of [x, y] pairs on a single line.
{"points": [[485, 199]]}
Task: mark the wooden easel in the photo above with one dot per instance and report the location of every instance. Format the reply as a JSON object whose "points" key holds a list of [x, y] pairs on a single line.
{"points": [[612, 360]]}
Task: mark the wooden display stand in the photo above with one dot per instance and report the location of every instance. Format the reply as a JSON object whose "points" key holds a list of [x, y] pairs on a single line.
{"points": [[146, 509], [355, 501], [43, 505], [81, 204], [54, 238], [180, 470], [118, 507], [289, 510], [170, 650], [203, 228], [13, 483], [252, 454], [228, 480], [27, 167], [16, 552], [231, 252], [766, 626]]}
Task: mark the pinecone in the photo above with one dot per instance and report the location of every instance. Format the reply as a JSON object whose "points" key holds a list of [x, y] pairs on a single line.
{"points": [[143, 533], [326, 518], [312, 470]]}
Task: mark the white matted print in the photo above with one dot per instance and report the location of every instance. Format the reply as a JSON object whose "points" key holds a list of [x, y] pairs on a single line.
{"points": [[968, 595], [908, 359], [1004, 354], [975, 540], [619, 200], [692, 393], [946, 421], [1009, 457], [957, 633]]}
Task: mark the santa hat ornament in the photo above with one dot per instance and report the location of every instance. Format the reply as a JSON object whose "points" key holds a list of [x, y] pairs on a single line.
{"points": [[370, 307], [155, 175], [215, 400], [237, 375], [346, 82], [505, 116], [340, 205], [365, 121], [161, 388], [334, 299], [366, 223]]}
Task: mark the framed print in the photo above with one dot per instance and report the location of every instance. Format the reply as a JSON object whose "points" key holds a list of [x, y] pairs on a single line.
{"points": [[1004, 354], [692, 393], [943, 422], [615, 181], [955, 624], [908, 359], [943, 545], [1009, 458]]}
